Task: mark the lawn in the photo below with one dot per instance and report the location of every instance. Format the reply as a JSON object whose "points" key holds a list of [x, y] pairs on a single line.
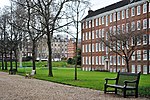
{"points": [[86, 79]]}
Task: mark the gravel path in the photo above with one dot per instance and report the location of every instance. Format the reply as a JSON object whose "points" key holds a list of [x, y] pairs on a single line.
{"points": [[15, 87]]}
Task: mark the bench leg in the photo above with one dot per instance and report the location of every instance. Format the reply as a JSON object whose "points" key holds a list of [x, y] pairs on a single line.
{"points": [[105, 88], [124, 93], [136, 93], [115, 90]]}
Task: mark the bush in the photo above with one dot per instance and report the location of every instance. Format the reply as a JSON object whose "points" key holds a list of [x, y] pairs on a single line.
{"points": [[70, 61]]}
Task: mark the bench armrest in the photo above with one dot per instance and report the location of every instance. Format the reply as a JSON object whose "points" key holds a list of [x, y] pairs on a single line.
{"points": [[109, 79], [127, 81]]}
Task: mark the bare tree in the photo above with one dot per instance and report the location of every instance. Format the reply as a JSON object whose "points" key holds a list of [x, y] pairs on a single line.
{"points": [[50, 12], [122, 43], [76, 9]]}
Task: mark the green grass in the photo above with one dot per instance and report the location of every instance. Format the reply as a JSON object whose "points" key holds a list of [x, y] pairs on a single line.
{"points": [[86, 79]]}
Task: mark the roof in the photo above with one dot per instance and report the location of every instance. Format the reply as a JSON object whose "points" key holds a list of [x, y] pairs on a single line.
{"points": [[110, 7]]}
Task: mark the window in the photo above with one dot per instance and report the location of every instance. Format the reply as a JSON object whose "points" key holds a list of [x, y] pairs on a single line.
{"points": [[103, 48], [83, 48], [106, 20], [97, 34], [138, 10], [144, 23], [93, 60], [103, 20], [144, 54], [118, 29], [103, 60], [102, 32], [114, 30], [86, 37], [97, 60], [138, 54], [100, 60], [119, 60], [127, 13], [114, 59], [133, 68], [83, 60], [144, 39], [123, 15], [133, 56], [92, 47], [114, 16], [110, 29], [118, 15], [149, 22], [127, 27], [89, 60], [97, 22], [106, 36], [93, 23], [87, 24], [133, 41], [138, 25], [144, 69], [86, 46], [111, 60], [110, 17], [83, 36], [123, 61], [89, 35], [138, 68], [138, 40], [107, 50], [100, 21], [132, 11], [90, 24], [92, 34], [97, 47], [144, 8], [123, 28], [89, 47], [133, 26]]}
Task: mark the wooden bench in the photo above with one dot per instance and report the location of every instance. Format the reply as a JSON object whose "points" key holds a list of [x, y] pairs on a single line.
{"points": [[12, 71], [124, 81], [30, 75]]}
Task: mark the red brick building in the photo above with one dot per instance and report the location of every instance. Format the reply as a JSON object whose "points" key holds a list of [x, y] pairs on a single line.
{"points": [[120, 15], [71, 48]]}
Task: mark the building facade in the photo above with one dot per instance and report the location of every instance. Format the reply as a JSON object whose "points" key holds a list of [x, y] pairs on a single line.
{"points": [[120, 15], [59, 48], [71, 48]]}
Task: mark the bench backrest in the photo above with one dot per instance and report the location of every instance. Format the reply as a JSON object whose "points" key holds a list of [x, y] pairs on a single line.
{"points": [[122, 76]]}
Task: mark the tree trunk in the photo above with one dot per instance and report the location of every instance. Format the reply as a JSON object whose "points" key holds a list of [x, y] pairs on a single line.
{"points": [[5, 61], [127, 65], [33, 55], [49, 36], [16, 60], [11, 66], [20, 58], [2, 61]]}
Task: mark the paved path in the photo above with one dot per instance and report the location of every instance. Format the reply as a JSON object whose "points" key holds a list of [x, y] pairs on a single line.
{"points": [[15, 87]]}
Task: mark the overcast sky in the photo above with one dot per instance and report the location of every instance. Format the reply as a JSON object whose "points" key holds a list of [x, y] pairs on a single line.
{"points": [[96, 4]]}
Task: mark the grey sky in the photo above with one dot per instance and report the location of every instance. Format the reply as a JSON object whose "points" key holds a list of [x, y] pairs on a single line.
{"points": [[96, 4]]}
